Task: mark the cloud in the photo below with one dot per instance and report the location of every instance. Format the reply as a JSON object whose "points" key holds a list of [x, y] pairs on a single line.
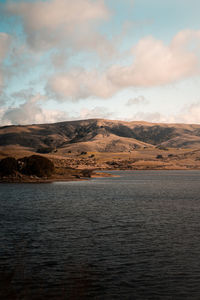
{"points": [[1, 81], [30, 112], [68, 23], [5, 41], [2, 112], [136, 101], [154, 117], [189, 114], [154, 64], [96, 112], [157, 64], [55, 13], [79, 84]]}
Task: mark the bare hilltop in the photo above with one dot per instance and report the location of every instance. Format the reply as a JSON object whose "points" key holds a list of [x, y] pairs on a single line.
{"points": [[106, 144]]}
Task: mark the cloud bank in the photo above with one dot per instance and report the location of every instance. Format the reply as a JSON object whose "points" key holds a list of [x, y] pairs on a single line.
{"points": [[60, 48], [61, 23], [154, 64], [188, 115], [137, 101], [80, 84], [157, 64], [30, 112]]}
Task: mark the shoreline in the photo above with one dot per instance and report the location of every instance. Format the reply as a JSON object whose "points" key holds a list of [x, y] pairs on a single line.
{"points": [[34, 179], [98, 174]]}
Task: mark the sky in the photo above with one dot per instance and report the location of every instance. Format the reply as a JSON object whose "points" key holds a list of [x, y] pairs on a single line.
{"points": [[129, 60]]}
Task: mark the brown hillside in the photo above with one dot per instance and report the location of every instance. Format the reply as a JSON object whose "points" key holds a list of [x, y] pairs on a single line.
{"points": [[98, 135]]}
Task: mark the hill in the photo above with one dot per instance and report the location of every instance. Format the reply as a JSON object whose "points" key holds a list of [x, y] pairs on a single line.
{"points": [[100, 135], [77, 141]]}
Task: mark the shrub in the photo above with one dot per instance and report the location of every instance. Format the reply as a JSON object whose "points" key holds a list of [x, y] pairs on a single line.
{"points": [[44, 150], [86, 173], [159, 156], [37, 165], [83, 153], [8, 166]]}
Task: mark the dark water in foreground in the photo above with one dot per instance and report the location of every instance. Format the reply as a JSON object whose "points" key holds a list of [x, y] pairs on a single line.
{"points": [[132, 237]]}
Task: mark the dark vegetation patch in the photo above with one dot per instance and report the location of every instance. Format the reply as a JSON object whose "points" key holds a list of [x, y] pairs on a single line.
{"points": [[83, 153], [121, 130], [45, 150], [152, 135], [33, 165], [22, 139], [162, 148], [87, 173], [85, 133], [36, 165], [197, 132], [155, 134], [8, 166]]}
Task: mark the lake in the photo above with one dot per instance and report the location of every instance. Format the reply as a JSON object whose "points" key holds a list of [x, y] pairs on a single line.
{"points": [[136, 236]]}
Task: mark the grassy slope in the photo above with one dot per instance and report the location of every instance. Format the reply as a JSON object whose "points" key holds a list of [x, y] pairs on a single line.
{"points": [[113, 144]]}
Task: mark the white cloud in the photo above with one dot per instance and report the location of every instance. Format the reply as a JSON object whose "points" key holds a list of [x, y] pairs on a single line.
{"points": [[30, 112], [5, 41], [189, 114], [68, 23], [154, 64], [154, 117], [80, 84], [136, 101], [55, 13], [1, 81], [158, 64], [96, 112], [2, 112]]}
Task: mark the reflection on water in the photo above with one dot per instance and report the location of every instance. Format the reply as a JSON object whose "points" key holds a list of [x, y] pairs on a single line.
{"points": [[131, 237]]}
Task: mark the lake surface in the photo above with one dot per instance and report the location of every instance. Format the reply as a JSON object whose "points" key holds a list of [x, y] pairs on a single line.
{"points": [[136, 236]]}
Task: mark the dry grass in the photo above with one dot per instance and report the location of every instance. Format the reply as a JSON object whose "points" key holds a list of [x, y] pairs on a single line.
{"points": [[172, 158]]}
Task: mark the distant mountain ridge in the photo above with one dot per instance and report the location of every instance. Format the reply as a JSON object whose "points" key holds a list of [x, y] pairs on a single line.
{"points": [[100, 135]]}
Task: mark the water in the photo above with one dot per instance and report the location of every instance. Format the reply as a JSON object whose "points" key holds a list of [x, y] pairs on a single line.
{"points": [[136, 236]]}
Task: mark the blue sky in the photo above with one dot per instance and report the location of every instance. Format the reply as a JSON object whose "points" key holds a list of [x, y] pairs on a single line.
{"points": [[126, 59]]}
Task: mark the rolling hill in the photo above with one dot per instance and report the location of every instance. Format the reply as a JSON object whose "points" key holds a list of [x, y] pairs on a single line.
{"points": [[99, 135]]}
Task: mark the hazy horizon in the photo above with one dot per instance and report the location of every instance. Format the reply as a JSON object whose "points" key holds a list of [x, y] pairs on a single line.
{"points": [[109, 119]]}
